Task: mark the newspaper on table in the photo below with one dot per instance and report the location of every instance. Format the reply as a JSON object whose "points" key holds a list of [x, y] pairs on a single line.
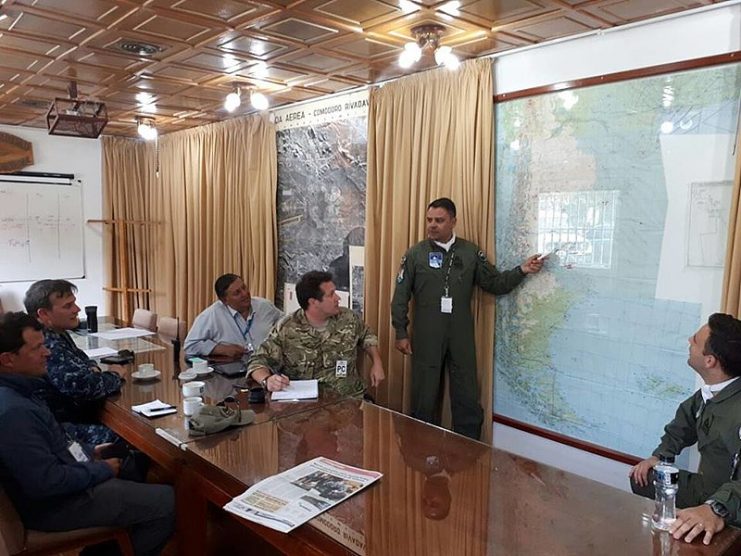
{"points": [[289, 499]]}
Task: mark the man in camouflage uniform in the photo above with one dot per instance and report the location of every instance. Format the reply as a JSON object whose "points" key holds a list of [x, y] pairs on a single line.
{"points": [[440, 272], [77, 386], [318, 341]]}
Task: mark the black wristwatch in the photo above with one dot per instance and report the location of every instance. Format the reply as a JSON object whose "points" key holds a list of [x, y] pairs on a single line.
{"points": [[264, 382], [718, 508]]}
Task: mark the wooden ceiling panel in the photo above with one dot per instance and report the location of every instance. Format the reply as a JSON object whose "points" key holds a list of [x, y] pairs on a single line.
{"points": [[157, 87], [83, 73], [19, 61], [10, 42], [294, 28], [622, 11], [274, 74], [553, 28], [102, 12], [353, 12], [172, 29], [113, 61], [186, 55], [488, 45], [333, 86], [223, 10], [34, 25], [263, 49], [180, 73], [366, 48], [216, 62], [500, 12], [318, 62]]}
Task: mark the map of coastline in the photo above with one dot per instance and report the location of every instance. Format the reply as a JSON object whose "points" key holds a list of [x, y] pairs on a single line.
{"points": [[595, 347]]}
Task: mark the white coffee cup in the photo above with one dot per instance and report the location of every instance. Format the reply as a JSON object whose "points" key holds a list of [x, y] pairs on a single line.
{"points": [[146, 369], [194, 388], [187, 376], [200, 365], [192, 405]]}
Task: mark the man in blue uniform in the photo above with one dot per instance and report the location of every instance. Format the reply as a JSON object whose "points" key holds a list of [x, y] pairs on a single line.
{"points": [[78, 385]]}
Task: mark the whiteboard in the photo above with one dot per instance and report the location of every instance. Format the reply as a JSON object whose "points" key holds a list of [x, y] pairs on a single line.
{"points": [[41, 233]]}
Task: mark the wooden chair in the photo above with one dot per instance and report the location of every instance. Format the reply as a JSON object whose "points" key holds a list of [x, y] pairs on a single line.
{"points": [[15, 539], [171, 328], [144, 319]]}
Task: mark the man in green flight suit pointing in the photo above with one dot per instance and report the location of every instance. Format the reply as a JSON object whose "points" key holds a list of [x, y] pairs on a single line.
{"points": [[440, 273]]}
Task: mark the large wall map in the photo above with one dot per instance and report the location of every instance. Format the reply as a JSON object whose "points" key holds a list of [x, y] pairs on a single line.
{"points": [[604, 177], [321, 200]]}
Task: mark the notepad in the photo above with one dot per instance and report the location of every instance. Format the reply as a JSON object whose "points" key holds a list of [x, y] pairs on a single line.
{"points": [[96, 353], [156, 408], [298, 390], [122, 333]]}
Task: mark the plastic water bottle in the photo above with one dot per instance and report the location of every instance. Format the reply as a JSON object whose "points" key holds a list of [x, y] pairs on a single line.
{"points": [[666, 484]]}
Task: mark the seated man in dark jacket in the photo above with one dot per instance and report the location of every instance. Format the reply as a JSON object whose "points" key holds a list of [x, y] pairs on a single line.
{"points": [[55, 483], [78, 386]]}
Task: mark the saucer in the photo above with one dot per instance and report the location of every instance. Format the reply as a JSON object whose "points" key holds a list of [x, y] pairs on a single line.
{"points": [[187, 375], [149, 376], [205, 372]]}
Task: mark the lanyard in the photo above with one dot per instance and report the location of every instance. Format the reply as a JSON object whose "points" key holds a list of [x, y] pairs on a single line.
{"points": [[447, 272], [246, 331]]}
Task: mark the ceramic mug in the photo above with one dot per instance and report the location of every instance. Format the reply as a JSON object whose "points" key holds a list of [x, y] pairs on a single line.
{"points": [[146, 369], [199, 365], [192, 405], [194, 388]]}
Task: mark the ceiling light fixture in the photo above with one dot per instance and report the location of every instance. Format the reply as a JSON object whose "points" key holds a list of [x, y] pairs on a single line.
{"points": [[146, 129], [259, 101], [428, 36], [233, 100]]}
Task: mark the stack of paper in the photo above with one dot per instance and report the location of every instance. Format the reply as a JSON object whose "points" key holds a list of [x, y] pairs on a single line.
{"points": [[298, 390], [122, 333], [95, 353], [154, 408]]}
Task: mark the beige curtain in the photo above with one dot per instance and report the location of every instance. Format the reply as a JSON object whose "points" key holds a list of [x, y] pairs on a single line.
{"points": [[429, 135], [212, 210], [731, 302], [129, 178]]}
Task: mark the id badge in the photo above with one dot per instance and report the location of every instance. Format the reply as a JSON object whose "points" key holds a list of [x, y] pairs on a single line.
{"points": [[435, 259], [446, 304], [77, 452], [340, 368]]}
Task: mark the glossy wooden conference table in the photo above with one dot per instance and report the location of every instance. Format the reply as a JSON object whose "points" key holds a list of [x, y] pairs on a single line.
{"points": [[445, 494], [440, 494]]}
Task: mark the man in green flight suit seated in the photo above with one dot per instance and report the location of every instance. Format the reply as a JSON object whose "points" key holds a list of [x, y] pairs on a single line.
{"points": [[440, 272], [710, 418], [318, 341]]}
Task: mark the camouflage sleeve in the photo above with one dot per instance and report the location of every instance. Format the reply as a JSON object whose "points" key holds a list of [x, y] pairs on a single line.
{"points": [[78, 377], [269, 354], [366, 337]]}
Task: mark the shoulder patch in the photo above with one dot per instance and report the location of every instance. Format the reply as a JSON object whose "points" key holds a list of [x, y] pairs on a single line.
{"points": [[400, 275]]}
